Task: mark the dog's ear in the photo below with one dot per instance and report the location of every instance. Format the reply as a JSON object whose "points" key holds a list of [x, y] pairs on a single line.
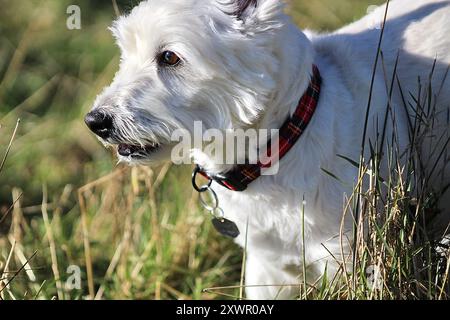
{"points": [[242, 6], [257, 11]]}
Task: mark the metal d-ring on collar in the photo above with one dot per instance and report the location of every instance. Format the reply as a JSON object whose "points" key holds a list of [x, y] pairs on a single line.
{"points": [[213, 208], [194, 183], [224, 226]]}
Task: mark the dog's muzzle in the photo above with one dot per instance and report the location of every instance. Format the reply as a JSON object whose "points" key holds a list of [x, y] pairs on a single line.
{"points": [[100, 123]]}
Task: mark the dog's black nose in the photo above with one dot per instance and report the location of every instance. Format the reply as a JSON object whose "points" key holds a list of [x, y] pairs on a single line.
{"points": [[100, 123]]}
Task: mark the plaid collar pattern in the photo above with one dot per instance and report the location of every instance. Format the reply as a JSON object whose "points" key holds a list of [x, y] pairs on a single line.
{"points": [[242, 175]]}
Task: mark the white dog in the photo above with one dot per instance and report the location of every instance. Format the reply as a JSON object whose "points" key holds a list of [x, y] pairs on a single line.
{"points": [[243, 64]]}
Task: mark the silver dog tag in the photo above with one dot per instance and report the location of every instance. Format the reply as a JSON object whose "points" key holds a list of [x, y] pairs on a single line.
{"points": [[226, 227]]}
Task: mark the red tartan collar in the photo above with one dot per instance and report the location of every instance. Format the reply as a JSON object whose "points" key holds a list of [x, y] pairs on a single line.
{"points": [[242, 175]]}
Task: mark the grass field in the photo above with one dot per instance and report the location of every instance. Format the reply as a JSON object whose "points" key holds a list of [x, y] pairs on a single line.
{"points": [[134, 233]]}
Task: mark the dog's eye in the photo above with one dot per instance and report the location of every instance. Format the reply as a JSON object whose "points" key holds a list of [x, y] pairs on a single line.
{"points": [[169, 58]]}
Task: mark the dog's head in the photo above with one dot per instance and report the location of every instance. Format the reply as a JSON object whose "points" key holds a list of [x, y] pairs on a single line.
{"points": [[183, 61]]}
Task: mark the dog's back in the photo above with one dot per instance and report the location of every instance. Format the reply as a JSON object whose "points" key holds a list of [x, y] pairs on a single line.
{"points": [[417, 33]]}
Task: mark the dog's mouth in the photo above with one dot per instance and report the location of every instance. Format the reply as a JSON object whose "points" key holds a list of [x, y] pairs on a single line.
{"points": [[134, 151]]}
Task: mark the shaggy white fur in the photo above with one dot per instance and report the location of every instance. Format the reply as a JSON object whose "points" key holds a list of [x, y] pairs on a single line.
{"points": [[250, 72]]}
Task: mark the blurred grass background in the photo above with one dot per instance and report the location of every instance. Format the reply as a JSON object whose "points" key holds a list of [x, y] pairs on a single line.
{"points": [[135, 233]]}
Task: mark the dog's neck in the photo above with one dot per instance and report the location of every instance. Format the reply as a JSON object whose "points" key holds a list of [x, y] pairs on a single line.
{"points": [[295, 54]]}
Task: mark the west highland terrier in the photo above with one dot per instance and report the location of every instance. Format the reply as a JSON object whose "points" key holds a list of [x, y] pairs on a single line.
{"points": [[242, 64]]}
